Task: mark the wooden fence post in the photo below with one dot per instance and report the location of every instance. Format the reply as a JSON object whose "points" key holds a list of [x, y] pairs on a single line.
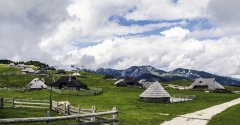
{"points": [[115, 116], [47, 115], [57, 107], [64, 108], [93, 111], [79, 110], [68, 109], [1, 102], [13, 102]]}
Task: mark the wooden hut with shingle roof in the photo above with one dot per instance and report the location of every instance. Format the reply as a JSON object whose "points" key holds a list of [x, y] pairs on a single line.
{"points": [[69, 82], [206, 84], [155, 93]]}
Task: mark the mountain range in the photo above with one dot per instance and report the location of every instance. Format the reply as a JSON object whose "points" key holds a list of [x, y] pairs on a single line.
{"points": [[150, 73]]}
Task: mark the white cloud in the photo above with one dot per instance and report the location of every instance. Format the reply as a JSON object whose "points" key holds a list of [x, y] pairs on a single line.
{"points": [[225, 18], [92, 23], [24, 23], [168, 10], [224, 12], [55, 31], [166, 53], [175, 32]]}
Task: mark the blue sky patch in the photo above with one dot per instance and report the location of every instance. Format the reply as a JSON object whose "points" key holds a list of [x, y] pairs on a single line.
{"points": [[124, 22], [86, 44], [198, 24], [191, 24]]}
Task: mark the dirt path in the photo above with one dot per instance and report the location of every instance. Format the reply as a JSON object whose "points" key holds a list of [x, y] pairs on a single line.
{"points": [[201, 117]]}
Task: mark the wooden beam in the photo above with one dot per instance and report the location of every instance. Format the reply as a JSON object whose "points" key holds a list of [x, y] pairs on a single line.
{"points": [[96, 122], [30, 103], [58, 118], [1, 102]]}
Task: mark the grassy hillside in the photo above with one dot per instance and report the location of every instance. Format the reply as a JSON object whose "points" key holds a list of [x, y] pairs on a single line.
{"points": [[131, 110], [4, 69], [227, 117]]}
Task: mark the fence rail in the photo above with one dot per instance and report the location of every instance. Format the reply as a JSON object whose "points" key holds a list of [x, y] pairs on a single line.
{"points": [[27, 103], [49, 119], [182, 98], [91, 92], [12, 89], [83, 115]]}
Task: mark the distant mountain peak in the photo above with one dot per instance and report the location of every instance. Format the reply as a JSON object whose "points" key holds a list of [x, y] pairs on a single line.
{"points": [[149, 72]]}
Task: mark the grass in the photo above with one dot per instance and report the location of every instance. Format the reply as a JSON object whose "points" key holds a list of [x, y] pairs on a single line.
{"points": [[235, 88], [28, 112], [180, 83], [5, 69], [131, 110], [227, 117], [91, 91]]}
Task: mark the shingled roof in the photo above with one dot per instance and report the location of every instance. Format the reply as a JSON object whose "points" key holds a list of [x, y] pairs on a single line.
{"points": [[155, 90], [208, 83], [69, 81]]}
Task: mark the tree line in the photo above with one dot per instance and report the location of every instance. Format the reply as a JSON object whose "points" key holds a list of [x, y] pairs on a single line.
{"points": [[39, 64]]}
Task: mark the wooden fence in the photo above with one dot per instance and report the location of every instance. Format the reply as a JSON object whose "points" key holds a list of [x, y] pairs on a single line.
{"points": [[91, 92], [12, 89], [25, 103], [182, 98], [82, 115]]}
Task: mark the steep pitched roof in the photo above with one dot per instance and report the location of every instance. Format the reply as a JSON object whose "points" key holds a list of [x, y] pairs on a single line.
{"points": [[76, 83], [36, 83], [76, 74], [155, 91], [11, 64], [69, 81], [40, 71], [211, 83], [119, 81], [63, 80], [28, 70]]}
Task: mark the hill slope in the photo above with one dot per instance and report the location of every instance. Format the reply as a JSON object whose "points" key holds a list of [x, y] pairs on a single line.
{"points": [[151, 73]]}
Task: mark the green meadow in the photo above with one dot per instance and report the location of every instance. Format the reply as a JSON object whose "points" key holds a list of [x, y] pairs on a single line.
{"points": [[126, 99], [227, 117]]}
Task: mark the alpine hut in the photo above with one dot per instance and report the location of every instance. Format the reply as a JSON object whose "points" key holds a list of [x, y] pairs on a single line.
{"points": [[132, 81], [120, 83], [145, 84], [128, 81], [36, 83], [41, 72], [155, 93], [76, 74], [27, 71], [11, 65], [21, 66], [69, 82], [206, 84]]}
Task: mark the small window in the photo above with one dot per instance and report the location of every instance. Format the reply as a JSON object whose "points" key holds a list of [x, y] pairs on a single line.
{"points": [[200, 81]]}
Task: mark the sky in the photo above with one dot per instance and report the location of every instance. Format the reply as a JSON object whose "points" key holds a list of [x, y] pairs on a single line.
{"points": [[167, 34]]}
